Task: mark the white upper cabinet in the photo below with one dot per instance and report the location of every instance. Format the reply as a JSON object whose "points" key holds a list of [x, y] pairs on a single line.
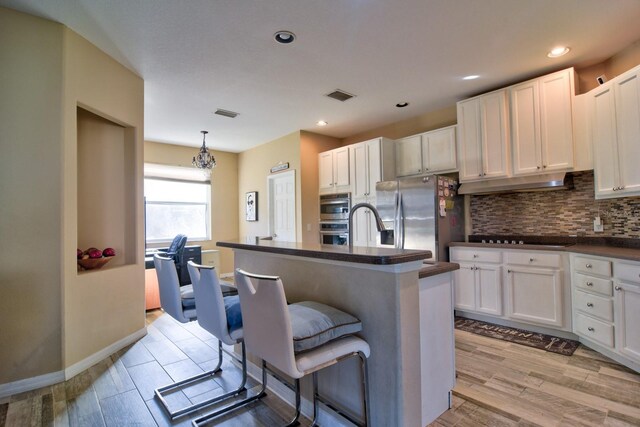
{"points": [[427, 153], [333, 171], [371, 161], [483, 137], [615, 120], [541, 124]]}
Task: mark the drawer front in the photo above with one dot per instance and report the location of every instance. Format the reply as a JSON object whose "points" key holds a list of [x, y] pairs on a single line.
{"points": [[593, 305], [593, 284], [594, 329], [534, 259], [592, 266], [628, 272], [471, 255]]}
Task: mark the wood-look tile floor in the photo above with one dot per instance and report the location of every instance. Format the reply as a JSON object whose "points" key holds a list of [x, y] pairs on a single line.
{"points": [[505, 384], [499, 384]]}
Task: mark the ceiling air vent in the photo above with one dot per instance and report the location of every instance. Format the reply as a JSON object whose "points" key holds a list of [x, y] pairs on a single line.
{"points": [[226, 113], [340, 95]]}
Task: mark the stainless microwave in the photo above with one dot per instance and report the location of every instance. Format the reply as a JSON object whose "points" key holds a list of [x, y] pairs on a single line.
{"points": [[335, 206], [334, 233]]}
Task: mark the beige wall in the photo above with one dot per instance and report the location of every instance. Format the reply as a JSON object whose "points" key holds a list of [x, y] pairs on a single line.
{"points": [[104, 306], [422, 123], [224, 192], [253, 168], [30, 196], [310, 145], [622, 61]]}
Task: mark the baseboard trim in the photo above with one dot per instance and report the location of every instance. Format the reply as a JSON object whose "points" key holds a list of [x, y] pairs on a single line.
{"points": [[88, 362], [28, 384]]}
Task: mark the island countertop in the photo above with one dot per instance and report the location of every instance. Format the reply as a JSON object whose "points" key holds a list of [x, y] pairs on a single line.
{"points": [[356, 254]]}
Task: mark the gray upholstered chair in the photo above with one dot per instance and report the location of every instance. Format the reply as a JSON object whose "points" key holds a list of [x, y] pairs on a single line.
{"points": [[297, 339], [180, 303]]}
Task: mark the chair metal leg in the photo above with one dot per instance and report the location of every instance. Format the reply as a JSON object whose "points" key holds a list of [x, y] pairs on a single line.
{"points": [[294, 421], [197, 378], [334, 406], [211, 415], [314, 377]]}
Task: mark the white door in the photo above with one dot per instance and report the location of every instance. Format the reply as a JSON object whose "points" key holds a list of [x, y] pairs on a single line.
{"points": [[605, 145], [358, 158], [556, 121], [325, 171], [525, 132], [495, 137], [282, 206], [374, 166], [341, 169], [360, 232]]}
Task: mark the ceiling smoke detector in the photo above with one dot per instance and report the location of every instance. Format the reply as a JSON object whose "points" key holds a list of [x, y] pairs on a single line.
{"points": [[226, 113], [284, 37], [340, 95]]}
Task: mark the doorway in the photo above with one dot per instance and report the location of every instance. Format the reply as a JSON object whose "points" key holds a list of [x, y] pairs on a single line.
{"points": [[281, 190]]}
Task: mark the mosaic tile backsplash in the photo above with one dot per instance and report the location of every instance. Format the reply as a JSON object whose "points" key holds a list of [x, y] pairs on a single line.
{"points": [[555, 212]]}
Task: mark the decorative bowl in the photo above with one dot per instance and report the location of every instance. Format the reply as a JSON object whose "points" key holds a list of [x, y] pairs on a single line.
{"points": [[92, 263]]}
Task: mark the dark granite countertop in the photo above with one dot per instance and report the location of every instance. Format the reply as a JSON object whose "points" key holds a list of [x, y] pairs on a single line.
{"points": [[362, 255], [436, 268], [613, 247]]}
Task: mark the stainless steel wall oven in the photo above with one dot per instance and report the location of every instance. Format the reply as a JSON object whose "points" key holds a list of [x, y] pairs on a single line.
{"points": [[335, 206]]}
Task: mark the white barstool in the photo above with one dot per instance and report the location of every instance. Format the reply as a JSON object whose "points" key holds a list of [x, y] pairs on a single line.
{"points": [[298, 339], [202, 300]]}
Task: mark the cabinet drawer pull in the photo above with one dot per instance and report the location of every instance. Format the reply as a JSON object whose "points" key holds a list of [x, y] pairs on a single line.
{"points": [[537, 167], [590, 329], [544, 166], [618, 288], [589, 284], [531, 259], [590, 304], [479, 174], [588, 265], [475, 255]]}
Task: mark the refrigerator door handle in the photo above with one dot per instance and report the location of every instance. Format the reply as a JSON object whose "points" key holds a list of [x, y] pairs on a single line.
{"points": [[400, 222], [396, 221]]}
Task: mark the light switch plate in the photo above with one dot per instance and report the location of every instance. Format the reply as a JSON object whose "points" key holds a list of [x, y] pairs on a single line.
{"points": [[598, 225]]}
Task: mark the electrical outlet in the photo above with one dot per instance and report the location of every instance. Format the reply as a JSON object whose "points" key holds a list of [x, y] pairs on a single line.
{"points": [[598, 225]]}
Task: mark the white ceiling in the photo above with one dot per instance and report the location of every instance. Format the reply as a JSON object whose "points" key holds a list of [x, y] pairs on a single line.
{"points": [[199, 55]]}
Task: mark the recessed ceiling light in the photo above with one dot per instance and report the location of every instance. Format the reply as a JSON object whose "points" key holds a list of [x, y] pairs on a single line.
{"points": [[471, 77], [402, 104], [322, 123], [284, 37], [558, 51]]}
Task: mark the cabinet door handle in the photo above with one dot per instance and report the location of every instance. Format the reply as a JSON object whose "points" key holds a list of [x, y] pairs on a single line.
{"points": [[508, 271], [621, 188], [479, 174], [618, 288], [475, 255], [591, 329], [589, 284], [531, 259], [590, 304], [537, 167], [544, 166], [588, 265]]}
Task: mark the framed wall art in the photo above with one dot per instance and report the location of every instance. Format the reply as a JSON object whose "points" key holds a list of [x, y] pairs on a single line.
{"points": [[251, 208]]}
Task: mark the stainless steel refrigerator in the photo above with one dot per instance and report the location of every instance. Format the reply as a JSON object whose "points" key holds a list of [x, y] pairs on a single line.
{"points": [[424, 212]]}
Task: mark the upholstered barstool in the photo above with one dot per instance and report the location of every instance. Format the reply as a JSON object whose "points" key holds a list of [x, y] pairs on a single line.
{"points": [[220, 316], [298, 339]]}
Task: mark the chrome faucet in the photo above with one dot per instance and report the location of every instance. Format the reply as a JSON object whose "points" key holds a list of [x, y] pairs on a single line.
{"points": [[379, 223]]}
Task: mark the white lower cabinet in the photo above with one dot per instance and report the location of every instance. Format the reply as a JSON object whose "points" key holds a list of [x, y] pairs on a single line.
{"points": [[534, 295], [606, 305], [478, 286], [519, 285]]}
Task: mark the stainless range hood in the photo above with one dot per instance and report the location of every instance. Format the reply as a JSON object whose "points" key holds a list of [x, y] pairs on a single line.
{"points": [[550, 181]]}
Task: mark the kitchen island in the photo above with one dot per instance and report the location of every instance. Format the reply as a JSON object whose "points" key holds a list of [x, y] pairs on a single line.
{"points": [[406, 311]]}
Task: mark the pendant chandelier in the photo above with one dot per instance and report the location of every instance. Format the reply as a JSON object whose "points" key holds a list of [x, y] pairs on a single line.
{"points": [[204, 159]]}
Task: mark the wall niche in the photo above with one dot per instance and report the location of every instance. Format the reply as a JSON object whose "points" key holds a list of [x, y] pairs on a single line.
{"points": [[106, 187]]}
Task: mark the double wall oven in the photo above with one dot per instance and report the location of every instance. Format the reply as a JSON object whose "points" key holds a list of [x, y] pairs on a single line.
{"points": [[334, 218]]}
